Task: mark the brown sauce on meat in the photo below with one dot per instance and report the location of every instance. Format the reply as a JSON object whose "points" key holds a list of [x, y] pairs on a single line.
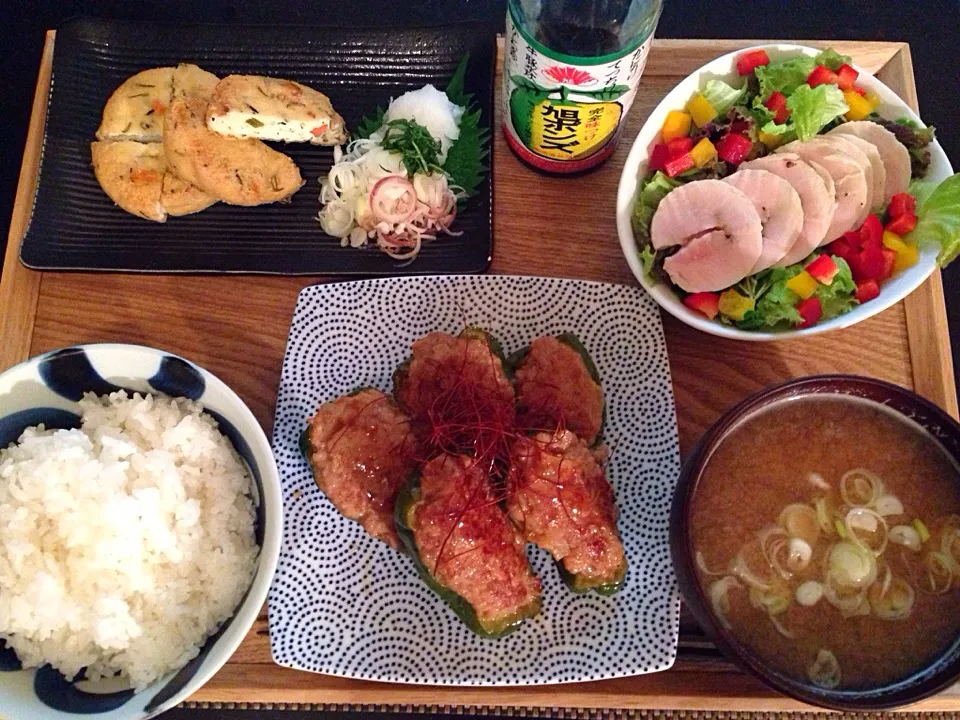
{"points": [[764, 465]]}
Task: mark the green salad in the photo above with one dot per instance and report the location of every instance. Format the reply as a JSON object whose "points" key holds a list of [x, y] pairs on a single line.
{"points": [[806, 110]]}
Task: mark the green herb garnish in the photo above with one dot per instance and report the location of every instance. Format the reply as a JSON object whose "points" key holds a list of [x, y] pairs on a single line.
{"points": [[253, 122], [420, 150]]}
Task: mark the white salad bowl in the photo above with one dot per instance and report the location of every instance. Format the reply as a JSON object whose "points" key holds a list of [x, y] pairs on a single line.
{"points": [[45, 389], [635, 169]]}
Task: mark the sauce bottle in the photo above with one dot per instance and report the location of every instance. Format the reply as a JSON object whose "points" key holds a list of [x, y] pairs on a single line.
{"points": [[570, 74]]}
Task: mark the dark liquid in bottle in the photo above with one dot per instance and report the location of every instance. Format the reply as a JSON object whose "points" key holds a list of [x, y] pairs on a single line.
{"points": [[582, 29]]}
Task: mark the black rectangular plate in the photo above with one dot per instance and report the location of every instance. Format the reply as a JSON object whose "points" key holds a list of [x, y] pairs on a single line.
{"points": [[75, 226]]}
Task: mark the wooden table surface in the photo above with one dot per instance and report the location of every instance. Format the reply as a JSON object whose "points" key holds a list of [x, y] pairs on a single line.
{"points": [[236, 327]]}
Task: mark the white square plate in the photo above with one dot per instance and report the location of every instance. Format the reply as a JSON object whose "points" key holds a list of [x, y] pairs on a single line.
{"points": [[345, 604]]}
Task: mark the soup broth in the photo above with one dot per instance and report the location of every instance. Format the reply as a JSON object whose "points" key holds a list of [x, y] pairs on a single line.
{"points": [[827, 536]]}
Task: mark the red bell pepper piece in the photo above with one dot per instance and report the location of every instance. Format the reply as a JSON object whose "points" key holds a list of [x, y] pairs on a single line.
{"points": [[707, 303], [750, 61], [867, 291], [868, 264], [902, 224], [821, 75], [733, 148], [871, 232], [841, 247], [659, 156], [823, 269], [859, 90], [889, 261], [846, 77], [901, 204], [777, 103], [679, 146], [810, 311], [676, 165]]}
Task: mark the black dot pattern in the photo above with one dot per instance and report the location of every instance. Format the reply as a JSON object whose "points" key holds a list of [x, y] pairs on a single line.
{"points": [[345, 604]]}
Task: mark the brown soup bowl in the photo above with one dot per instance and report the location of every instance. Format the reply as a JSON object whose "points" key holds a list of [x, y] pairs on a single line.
{"points": [[926, 681]]}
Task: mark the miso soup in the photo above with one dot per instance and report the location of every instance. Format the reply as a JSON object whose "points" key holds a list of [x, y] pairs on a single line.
{"points": [[827, 538]]}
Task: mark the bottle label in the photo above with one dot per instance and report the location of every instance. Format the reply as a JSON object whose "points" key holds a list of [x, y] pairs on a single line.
{"points": [[562, 113]]}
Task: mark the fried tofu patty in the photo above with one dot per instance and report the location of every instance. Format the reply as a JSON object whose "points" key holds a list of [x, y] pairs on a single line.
{"points": [[274, 109], [468, 545], [239, 172], [555, 389], [131, 174], [360, 449], [559, 497], [135, 109]]}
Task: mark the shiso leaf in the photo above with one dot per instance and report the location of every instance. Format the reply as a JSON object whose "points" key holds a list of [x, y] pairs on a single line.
{"points": [[465, 159]]}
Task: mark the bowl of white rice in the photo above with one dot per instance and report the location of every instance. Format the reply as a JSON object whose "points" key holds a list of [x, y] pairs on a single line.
{"points": [[140, 524]]}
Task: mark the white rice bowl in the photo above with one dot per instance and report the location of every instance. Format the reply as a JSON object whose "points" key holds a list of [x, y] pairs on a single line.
{"points": [[123, 545]]}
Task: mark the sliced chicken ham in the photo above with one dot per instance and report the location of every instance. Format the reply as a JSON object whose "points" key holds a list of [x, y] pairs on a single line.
{"points": [[849, 180], [780, 211], [896, 158], [717, 231], [815, 199], [844, 145], [876, 164]]}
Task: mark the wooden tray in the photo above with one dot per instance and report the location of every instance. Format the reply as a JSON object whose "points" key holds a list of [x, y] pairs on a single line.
{"points": [[237, 328]]}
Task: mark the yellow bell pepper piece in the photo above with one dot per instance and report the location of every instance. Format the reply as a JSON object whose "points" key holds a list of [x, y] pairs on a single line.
{"points": [[907, 252], [873, 100], [803, 284], [893, 241], [771, 140], [703, 152], [676, 125], [701, 110], [859, 106], [908, 258], [734, 305]]}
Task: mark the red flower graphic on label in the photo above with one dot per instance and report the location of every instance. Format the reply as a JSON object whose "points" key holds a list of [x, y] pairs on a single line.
{"points": [[569, 75]]}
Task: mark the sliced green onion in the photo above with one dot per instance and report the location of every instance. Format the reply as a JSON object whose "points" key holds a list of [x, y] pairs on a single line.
{"points": [[875, 531], [719, 598], [809, 593], [887, 505], [907, 536], [800, 521], [860, 487], [825, 670]]}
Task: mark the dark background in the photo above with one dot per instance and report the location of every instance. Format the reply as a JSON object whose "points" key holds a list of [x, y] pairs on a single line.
{"points": [[930, 26]]}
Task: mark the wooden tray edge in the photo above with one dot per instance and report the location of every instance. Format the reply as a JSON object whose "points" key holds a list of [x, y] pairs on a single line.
{"points": [[19, 286]]}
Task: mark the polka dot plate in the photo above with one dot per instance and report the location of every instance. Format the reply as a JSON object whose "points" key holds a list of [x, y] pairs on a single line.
{"points": [[345, 604]]}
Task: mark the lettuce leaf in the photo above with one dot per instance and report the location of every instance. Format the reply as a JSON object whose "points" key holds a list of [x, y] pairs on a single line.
{"points": [[785, 76], [647, 258], [832, 59], [839, 296], [939, 220], [921, 190], [778, 304], [812, 108], [722, 96]]}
